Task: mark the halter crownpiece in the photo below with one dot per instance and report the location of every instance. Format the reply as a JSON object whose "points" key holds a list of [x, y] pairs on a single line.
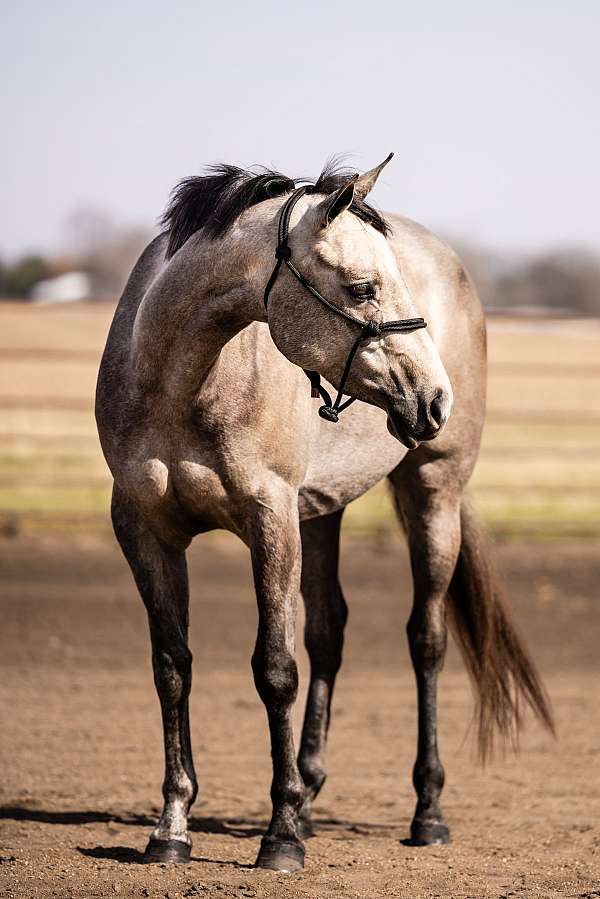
{"points": [[369, 329]]}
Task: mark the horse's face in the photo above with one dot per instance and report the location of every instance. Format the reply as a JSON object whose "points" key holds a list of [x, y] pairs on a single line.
{"points": [[352, 265]]}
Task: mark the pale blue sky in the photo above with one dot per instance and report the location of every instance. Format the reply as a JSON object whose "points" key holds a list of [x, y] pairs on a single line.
{"points": [[492, 111]]}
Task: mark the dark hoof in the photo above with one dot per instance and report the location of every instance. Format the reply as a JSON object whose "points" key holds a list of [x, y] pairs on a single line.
{"points": [[305, 829], [279, 855], [174, 851], [428, 833]]}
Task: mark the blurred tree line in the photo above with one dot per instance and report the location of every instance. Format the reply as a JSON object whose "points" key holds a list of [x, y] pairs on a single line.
{"points": [[18, 278], [560, 282], [565, 281], [94, 245]]}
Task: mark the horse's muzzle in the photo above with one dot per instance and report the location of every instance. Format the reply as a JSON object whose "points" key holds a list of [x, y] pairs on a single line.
{"points": [[423, 420]]}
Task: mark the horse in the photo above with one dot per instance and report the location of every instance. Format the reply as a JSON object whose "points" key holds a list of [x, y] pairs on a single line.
{"points": [[207, 420]]}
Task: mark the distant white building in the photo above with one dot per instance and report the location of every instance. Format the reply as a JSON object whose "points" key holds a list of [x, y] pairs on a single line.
{"points": [[66, 288]]}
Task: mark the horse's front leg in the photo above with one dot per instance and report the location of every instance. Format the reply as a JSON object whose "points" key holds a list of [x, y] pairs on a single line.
{"points": [[160, 573], [432, 519], [274, 538]]}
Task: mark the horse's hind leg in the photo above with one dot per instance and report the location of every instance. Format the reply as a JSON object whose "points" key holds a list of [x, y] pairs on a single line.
{"points": [[160, 573], [430, 510], [326, 614]]}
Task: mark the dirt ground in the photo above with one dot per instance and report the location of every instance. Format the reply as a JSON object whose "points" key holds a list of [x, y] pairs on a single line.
{"points": [[81, 752]]}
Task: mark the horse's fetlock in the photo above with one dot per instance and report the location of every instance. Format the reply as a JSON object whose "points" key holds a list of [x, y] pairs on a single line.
{"points": [[180, 788], [427, 777], [292, 794]]}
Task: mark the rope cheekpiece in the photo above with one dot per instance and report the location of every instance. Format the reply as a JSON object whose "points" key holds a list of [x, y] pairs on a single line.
{"points": [[330, 411]]}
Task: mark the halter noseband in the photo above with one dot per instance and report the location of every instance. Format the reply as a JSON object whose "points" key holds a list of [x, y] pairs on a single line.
{"points": [[329, 411]]}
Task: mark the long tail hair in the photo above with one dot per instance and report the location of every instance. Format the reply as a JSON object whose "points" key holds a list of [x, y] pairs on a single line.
{"points": [[500, 667]]}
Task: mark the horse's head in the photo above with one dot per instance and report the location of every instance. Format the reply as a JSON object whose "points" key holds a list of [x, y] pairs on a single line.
{"points": [[344, 253]]}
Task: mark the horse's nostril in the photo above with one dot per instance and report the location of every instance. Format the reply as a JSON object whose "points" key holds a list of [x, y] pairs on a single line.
{"points": [[436, 410]]}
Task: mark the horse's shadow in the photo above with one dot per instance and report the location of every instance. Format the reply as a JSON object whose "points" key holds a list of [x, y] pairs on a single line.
{"points": [[238, 828], [21, 813], [123, 854]]}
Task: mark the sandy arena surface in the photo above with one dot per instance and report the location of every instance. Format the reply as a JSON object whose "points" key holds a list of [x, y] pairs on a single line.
{"points": [[81, 748]]}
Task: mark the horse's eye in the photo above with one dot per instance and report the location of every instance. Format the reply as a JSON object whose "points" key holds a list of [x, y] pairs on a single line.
{"points": [[362, 291]]}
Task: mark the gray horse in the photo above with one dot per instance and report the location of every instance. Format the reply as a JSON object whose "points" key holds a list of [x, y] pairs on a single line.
{"points": [[207, 421]]}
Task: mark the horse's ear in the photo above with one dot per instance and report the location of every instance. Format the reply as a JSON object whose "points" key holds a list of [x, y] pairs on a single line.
{"points": [[365, 183], [337, 202]]}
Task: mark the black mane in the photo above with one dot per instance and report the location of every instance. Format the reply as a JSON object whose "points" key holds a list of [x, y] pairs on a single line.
{"points": [[215, 200]]}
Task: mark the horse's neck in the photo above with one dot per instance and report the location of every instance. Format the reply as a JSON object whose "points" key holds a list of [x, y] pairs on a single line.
{"points": [[202, 298]]}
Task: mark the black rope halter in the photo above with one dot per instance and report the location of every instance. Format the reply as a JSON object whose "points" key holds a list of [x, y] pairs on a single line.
{"points": [[329, 411]]}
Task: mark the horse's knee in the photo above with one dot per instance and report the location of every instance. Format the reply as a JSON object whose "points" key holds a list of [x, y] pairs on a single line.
{"points": [[172, 672], [276, 677]]}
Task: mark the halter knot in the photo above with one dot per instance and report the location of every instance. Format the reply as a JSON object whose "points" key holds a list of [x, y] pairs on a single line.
{"points": [[372, 329], [283, 252], [328, 413]]}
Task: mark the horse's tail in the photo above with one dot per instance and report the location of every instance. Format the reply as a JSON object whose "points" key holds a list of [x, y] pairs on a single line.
{"points": [[502, 672]]}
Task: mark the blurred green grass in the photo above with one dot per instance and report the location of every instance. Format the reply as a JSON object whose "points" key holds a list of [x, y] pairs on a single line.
{"points": [[538, 473]]}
